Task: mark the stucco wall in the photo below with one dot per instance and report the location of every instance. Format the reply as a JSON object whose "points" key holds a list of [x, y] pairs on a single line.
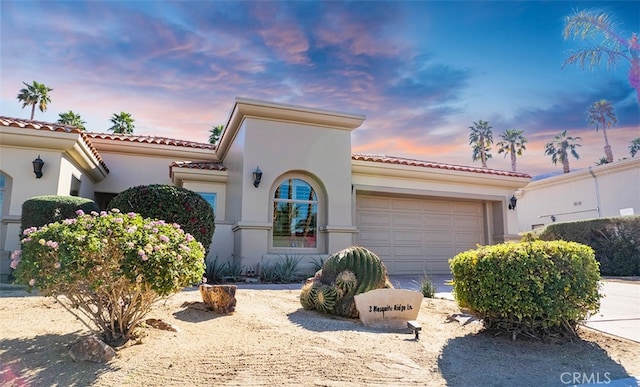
{"points": [[600, 191]]}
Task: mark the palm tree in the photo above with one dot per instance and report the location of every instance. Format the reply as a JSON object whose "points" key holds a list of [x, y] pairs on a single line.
{"points": [[35, 94], [634, 147], [513, 144], [608, 44], [481, 138], [122, 123], [601, 114], [214, 133], [560, 148], [71, 118]]}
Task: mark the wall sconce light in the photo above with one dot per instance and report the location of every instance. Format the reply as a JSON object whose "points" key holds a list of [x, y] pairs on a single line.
{"points": [[37, 167], [553, 218], [512, 202], [257, 176]]}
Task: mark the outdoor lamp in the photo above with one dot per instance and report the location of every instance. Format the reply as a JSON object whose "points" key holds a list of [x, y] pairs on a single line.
{"points": [[37, 167], [512, 202], [257, 176]]}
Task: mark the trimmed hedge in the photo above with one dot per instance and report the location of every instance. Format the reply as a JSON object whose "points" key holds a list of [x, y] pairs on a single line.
{"points": [[616, 241], [171, 204], [534, 289], [39, 211]]}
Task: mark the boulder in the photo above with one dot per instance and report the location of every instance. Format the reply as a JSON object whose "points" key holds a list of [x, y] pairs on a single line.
{"points": [[92, 349], [220, 298]]}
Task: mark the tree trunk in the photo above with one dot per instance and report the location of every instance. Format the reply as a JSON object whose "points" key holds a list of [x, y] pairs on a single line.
{"points": [[33, 110], [565, 166], [513, 161], [607, 147]]}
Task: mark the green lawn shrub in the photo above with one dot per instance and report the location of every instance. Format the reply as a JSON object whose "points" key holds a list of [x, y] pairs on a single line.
{"points": [[110, 267], [536, 289], [42, 210], [171, 204], [616, 241]]}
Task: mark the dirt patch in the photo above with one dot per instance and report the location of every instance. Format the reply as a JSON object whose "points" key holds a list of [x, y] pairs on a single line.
{"points": [[270, 340]]}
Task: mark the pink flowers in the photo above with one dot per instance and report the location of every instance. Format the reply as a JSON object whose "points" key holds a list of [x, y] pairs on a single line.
{"points": [[15, 259], [164, 238]]}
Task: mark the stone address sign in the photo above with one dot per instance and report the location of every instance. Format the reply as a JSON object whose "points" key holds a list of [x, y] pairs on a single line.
{"points": [[388, 308]]}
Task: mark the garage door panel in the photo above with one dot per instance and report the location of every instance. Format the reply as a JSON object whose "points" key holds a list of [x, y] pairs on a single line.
{"points": [[437, 222], [467, 223], [467, 208], [407, 220], [407, 204], [374, 202], [373, 219], [413, 236], [404, 237], [376, 237]]}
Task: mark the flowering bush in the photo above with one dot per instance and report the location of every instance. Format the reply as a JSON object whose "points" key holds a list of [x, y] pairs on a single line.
{"points": [[110, 266]]}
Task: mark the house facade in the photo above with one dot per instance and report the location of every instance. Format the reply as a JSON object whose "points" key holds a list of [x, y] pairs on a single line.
{"points": [[314, 197]]}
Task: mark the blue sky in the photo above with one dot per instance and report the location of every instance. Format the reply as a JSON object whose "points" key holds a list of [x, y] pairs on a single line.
{"points": [[420, 71]]}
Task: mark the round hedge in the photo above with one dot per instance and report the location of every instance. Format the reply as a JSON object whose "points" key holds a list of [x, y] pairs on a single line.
{"points": [[171, 204], [533, 289], [39, 211]]}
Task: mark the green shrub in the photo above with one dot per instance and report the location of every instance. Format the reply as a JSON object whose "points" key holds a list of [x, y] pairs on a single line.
{"points": [[616, 241], [42, 210], [344, 274], [171, 204], [427, 287], [529, 288], [110, 266], [284, 270]]}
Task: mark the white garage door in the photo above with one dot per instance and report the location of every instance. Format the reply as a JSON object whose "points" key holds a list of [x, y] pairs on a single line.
{"points": [[416, 236]]}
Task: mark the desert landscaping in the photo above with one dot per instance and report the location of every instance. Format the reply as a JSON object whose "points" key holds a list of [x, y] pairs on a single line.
{"points": [[271, 340]]}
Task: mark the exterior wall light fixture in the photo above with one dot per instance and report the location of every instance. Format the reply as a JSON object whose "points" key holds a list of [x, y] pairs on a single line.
{"points": [[37, 167], [257, 176], [512, 202]]}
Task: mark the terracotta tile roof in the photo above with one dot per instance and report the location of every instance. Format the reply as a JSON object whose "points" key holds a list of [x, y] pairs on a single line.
{"points": [[430, 164], [53, 127], [150, 140]]}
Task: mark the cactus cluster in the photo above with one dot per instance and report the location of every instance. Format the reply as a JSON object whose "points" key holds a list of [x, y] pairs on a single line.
{"points": [[346, 273]]}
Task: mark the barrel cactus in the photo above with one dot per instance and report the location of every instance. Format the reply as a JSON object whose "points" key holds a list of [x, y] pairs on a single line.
{"points": [[346, 273]]}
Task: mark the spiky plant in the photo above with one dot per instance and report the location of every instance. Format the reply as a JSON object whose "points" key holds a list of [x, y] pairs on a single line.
{"points": [[307, 296], [325, 298], [346, 281]]}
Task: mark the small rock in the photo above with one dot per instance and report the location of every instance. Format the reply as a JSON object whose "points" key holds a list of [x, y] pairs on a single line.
{"points": [[91, 349], [163, 325], [220, 298]]}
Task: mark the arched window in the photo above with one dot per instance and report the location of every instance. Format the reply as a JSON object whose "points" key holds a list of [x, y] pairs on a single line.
{"points": [[295, 215]]}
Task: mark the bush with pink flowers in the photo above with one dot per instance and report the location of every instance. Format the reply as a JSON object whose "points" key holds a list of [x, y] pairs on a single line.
{"points": [[110, 267]]}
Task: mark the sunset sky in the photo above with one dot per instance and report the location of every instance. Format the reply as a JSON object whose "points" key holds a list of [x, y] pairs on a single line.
{"points": [[421, 72]]}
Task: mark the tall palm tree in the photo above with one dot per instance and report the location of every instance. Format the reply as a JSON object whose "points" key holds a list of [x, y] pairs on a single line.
{"points": [[634, 148], [122, 123], [35, 94], [512, 144], [601, 115], [560, 148], [607, 44], [214, 133], [480, 139], [71, 118]]}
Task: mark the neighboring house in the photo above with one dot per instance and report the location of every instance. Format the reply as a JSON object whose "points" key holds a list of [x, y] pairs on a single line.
{"points": [[606, 190], [314, 197]]}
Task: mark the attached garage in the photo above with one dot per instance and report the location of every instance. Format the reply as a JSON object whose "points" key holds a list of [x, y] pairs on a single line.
{"points": [[418, 234]]}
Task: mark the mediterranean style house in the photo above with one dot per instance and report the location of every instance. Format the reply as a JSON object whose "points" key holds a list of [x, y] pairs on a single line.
{"points": [[282, 181]]}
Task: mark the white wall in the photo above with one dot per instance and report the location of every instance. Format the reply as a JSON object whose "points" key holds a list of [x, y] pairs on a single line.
{"points": [[601, 191]]}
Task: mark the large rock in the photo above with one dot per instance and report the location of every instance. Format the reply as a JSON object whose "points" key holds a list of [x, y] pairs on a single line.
{"points": [[91, 349], [388, 308], [219, 298]]}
